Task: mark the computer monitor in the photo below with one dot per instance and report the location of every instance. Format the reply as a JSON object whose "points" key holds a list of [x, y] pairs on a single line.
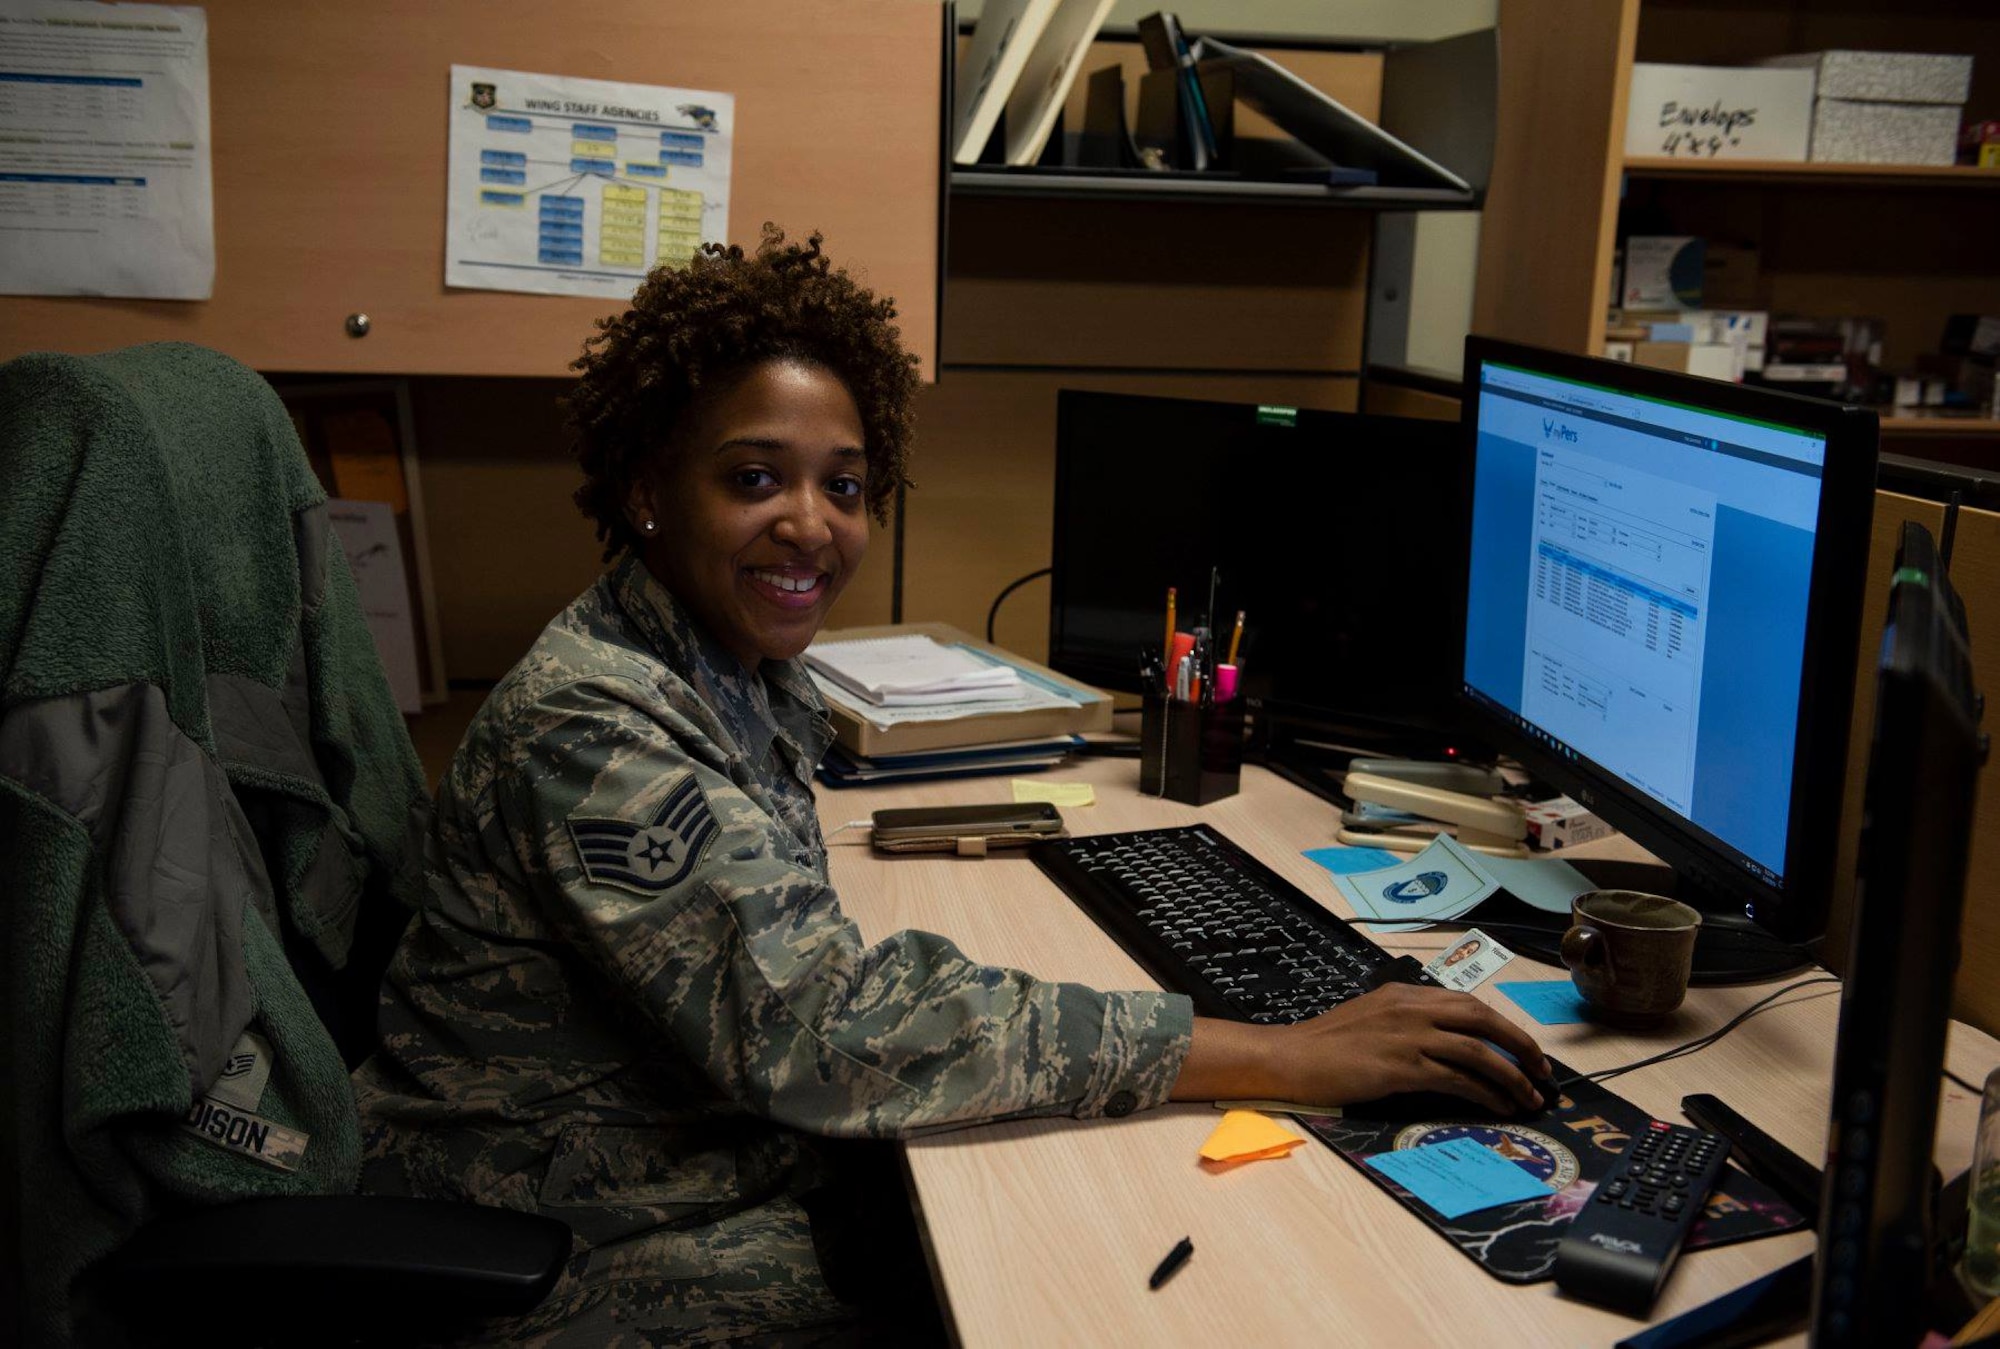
{"points": [[1339, 534], [1662, 609], [1877, 1228]]}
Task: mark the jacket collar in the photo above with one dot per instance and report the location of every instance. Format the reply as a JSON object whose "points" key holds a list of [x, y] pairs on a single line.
{"points": [[779, 700]]}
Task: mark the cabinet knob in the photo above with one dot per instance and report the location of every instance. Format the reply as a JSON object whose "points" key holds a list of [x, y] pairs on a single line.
{"points": [[357, 325]]}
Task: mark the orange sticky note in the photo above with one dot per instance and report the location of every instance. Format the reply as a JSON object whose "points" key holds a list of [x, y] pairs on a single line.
{"points": [[1246, 1136]]}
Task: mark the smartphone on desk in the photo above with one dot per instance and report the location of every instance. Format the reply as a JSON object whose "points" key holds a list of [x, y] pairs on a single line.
{"points": [[966, 829]]}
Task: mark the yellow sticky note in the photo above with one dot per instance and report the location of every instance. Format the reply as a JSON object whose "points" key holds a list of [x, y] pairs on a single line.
{"points": [[1246, 1136], [1059, 793]]}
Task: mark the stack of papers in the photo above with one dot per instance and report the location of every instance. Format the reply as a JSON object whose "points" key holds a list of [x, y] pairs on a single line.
{"points": [[842, 768], [912, 671]]}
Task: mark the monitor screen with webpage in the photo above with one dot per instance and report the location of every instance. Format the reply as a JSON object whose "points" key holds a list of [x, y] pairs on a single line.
{"points": [[1662, 610]]}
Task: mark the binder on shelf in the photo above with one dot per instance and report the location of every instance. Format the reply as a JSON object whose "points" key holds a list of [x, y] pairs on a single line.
{"points": [[1323, 124], [1064, 707], [1002, 40], [1167, 50], [1043, 85]]}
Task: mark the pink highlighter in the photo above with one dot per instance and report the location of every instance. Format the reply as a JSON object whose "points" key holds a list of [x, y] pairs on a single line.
{"points": [[1225, 683]]}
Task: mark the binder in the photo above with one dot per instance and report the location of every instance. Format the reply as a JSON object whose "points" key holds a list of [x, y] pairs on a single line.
{"points": [[1045, 79], [1323, 124], [1167, 49], [1002, 41]]}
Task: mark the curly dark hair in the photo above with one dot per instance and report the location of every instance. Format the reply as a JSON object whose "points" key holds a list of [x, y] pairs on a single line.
{"points": [[692, 329]]}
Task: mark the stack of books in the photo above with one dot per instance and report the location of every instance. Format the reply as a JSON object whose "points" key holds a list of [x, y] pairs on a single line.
{"points": [[926, 700]]}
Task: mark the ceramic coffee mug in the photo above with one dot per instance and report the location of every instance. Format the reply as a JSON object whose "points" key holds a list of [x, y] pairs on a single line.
{"points": [[1629, 954]]}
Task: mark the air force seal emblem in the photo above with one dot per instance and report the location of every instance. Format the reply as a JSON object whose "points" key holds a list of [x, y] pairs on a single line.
{"points": [[1415, 889], [653, 857]]}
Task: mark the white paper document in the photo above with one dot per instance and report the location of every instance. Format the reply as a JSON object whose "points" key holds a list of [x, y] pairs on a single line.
{"points": [[563, 186], [104, 154], [1033, 694], [911, 671], [367, 534]]}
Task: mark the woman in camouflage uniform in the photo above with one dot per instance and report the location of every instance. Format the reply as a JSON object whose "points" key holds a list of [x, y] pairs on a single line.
{"points": [[631, 1000]]}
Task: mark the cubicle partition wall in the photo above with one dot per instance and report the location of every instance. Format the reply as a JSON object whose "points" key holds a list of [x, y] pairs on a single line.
{"points": [[329, 126]]}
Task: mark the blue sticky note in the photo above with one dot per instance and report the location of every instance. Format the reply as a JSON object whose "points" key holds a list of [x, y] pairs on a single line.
{"points": [[1553, 1002], [1348, 861], [1460, 1176]]}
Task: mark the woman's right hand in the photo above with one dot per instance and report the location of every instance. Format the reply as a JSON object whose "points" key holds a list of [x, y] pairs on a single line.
{"points": [[1402, 1037]]}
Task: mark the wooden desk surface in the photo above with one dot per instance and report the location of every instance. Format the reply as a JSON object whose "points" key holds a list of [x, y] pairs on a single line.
{"points": [[1043, 1231]]}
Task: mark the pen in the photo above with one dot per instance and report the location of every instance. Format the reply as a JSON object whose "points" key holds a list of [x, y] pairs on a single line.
{"points": [[1170, 1266], [1171, 594], [1235, 638]]}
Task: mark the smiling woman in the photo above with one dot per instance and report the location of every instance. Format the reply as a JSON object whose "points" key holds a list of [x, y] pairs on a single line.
{"points": [[758, 522], [631, 1000]]}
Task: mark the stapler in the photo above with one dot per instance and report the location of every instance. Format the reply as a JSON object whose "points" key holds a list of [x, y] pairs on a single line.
{"points": [[1402, 804]]}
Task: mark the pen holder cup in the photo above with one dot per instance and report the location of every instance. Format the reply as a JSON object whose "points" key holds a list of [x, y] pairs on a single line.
{"points": [[1189, 753]]}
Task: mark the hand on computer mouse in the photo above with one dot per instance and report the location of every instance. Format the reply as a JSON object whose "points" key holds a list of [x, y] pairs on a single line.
{"points": [[1399, 1038]]}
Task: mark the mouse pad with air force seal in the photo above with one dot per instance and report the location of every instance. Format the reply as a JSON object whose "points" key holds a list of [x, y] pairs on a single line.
{"points": [[1570, 1149]]}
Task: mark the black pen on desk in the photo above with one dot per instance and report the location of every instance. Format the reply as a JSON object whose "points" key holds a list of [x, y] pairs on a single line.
{"points": [[1170, 1266]]}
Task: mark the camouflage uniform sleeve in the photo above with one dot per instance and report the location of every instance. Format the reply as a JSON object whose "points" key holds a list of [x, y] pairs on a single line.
{"points": [[676, 886]]}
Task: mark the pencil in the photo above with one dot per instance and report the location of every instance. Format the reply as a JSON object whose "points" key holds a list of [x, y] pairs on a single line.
{"points": [[1171, 593], [1235, 638]]}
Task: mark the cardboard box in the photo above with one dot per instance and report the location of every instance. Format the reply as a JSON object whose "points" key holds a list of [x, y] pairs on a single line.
{"points": [[1663, 271], [1883, 77], [1846, 131], [1718, 112], [1661, 355], [1562, 823], [1716, 360]]}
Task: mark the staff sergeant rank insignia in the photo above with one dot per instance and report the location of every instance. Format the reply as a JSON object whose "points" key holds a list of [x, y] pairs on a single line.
{"points": [[650, 858]]}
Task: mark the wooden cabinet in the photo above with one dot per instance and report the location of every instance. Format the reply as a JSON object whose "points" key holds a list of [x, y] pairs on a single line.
{"points": [[1907, 245], [329, 129]]}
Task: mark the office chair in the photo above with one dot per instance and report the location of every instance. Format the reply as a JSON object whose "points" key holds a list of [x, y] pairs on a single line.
{"points": [[208, 806]]}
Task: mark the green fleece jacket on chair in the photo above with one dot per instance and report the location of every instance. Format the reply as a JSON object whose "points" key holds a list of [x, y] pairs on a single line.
{"points": [[200, 760]]}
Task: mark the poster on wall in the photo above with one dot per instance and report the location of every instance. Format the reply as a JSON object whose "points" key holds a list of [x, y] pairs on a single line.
{"points": [[105, 185], [579, 187]]}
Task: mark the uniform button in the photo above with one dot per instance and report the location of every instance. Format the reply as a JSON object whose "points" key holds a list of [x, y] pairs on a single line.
{"points": [[1121, 1104]]}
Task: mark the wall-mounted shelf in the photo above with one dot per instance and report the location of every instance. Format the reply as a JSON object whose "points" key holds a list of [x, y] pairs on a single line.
{"points": [[1068, 184], [1939, 424], [1806, 175]]}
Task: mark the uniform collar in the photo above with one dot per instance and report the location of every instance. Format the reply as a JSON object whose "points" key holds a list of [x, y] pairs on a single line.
{"points": [[779, 702]]}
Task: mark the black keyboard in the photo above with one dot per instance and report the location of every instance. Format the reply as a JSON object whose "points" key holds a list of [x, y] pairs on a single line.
{"points": [[1207, 919]]}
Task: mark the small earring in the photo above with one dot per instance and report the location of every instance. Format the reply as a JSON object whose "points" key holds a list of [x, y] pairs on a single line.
{"points": [[649, 526]]}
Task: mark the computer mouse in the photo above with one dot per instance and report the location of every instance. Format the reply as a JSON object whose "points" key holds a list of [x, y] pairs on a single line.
{"points": [[1439, 1105], [1422, 1105], [1405, 969]]}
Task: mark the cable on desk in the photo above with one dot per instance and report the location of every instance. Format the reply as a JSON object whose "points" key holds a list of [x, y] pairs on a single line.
{"points": [[1976, 1091], [1799, 955], [1700, 1042], [843, 828], [1012, 586]]}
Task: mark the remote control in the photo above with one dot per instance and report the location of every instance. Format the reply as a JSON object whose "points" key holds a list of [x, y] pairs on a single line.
{"points": [[1621, 1246]]}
